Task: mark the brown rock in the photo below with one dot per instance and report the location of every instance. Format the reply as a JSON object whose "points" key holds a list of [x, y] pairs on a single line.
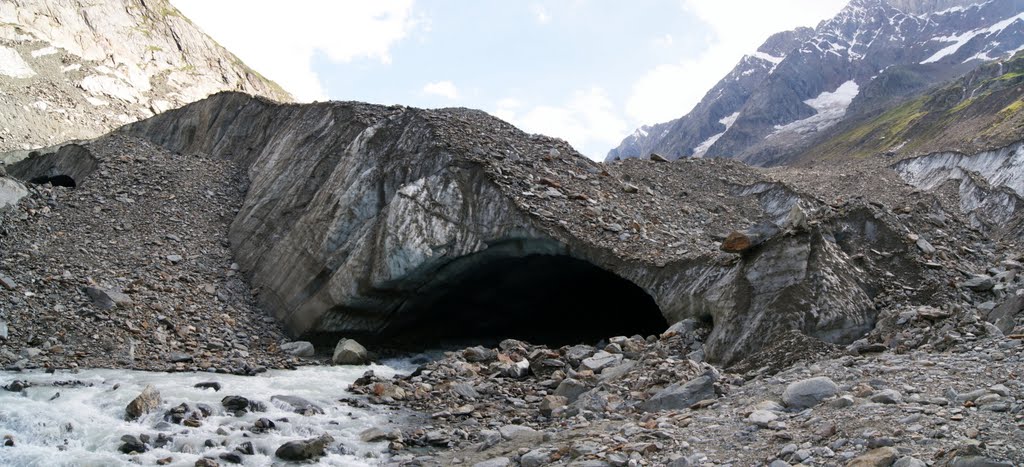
{"points": [[147, 401], [881, 457], [737, 242], [551, 403]]}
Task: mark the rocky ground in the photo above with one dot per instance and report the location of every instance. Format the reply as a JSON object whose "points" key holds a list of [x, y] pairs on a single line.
{"points": [[131, 269], [642, 401]]}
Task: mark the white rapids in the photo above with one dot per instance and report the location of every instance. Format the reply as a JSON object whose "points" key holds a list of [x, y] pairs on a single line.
{"points": [[83, 426]]}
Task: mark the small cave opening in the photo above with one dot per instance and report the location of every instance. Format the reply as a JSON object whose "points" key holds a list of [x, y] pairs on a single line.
{"points": [[539, 298], [56, 180], [67, 167]]}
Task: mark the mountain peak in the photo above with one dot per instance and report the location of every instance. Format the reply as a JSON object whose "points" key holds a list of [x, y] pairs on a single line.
{"points": [[800, 83], [99, 65]]}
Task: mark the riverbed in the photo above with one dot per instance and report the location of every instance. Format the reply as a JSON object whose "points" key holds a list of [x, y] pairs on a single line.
{"points": [[76, 418]]}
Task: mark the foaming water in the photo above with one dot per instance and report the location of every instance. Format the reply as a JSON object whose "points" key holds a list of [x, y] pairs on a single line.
{"points": [[83, 425]]}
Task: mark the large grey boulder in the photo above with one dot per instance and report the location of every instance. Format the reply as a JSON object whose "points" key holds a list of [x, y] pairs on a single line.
{"points": [[350, 352], [298, 348], [1005, 315], [304, 449], [682, 396], [571, 389], [11, 192], [809, 392], [600, 360], [106, 299]]}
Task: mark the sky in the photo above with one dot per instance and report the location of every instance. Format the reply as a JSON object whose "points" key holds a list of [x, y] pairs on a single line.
{"points": [[586, 71]]}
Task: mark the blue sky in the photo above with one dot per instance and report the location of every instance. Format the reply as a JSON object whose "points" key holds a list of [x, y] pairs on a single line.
{"points": [[587, 71]]}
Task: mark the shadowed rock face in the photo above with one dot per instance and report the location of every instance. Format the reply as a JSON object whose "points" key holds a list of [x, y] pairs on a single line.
{"points": [[409, 224]]}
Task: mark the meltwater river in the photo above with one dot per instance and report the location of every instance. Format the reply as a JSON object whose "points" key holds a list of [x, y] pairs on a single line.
{"points": [[82, 425]]}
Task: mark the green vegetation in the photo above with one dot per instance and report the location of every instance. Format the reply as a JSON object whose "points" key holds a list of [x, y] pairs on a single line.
{"points": [[881, 132], [1014, 107], [961, 106], [1011, 75]]}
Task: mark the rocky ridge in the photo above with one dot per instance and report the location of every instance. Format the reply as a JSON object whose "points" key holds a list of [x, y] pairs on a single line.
{"points": [[445, 191], [72, 69]]}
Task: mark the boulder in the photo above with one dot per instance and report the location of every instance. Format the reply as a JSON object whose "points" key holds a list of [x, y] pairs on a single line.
{"points": [[535, 458], [147, 401], [881, 457], [298, 349], [495, 462], [887, 396], [550, 404], [571, 389], [682, 396], [304, 449], [1005, 315], [298, 405], [106, 299], [600, 361], [809, 392], [349, 352], [208, 385], [762, 418], [235, 403], [521, 433], [742, 241], [979, 283], [132, 445], [479, 354], [908, 461], [11, 192]]}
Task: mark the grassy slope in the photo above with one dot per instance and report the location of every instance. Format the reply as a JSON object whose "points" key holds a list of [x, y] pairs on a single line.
{"points": [[981, 110]]}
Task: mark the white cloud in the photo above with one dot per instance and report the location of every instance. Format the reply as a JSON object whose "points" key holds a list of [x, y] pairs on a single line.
{"points": [[442, 88], [540, 13], [670, 90], [663, 41], [588, 120], [292, 33]]}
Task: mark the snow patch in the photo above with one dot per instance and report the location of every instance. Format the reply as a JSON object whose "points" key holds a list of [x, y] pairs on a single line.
{"points": [[768, 57], [11, 64], [110, 86], [830, 107], [949, 10], [960, 40], [703, 147], [44, 52]]}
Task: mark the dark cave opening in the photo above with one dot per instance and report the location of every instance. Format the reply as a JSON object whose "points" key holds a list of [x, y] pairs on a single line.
{"points": [[68, 166], [56, 180], [540, 298]]}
